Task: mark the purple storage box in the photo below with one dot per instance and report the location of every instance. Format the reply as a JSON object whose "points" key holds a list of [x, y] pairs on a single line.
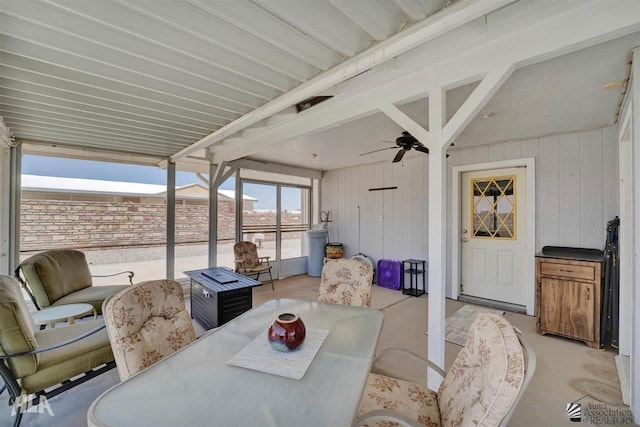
{"points": [[389, 274]]}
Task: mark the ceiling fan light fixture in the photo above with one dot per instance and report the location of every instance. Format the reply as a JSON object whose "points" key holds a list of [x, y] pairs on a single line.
{"points": [[487, 114]]}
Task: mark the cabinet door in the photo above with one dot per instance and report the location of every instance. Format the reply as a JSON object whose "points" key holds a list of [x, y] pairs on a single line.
{"points": [[550, 304], [567, 308]]}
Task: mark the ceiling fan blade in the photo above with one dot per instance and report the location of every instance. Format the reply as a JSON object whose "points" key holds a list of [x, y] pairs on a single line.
{"points": [[381, 149], [399, 155], [421, 148]]}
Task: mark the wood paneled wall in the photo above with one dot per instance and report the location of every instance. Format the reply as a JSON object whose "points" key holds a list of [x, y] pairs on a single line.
{"points": [[576, 183], [576, 193], [393, 223]]}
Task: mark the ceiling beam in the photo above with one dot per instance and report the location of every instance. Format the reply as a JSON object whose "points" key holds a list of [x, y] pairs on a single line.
{"points": [[41, 148], [580, 26], [330, 113], [407, 123], [477, 100], [273, 167], [5, 134], [459, 14]]}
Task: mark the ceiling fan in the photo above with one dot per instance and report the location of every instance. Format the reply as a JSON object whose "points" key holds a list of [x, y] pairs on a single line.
{"points": [[406, 142]]}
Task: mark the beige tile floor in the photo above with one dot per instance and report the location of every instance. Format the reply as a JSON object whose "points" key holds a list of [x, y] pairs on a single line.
{"points": [[567, 370]]}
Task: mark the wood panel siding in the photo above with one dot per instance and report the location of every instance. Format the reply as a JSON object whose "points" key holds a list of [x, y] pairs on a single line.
{"points": [[576, 183], [576, 193], [393, 223]]}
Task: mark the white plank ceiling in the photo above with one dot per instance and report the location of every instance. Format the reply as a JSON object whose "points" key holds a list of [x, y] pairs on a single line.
{"points": [[152, 77], [163, 79]]}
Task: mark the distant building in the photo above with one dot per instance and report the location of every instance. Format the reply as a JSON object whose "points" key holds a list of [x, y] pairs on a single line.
{"points": [[35, 187]]}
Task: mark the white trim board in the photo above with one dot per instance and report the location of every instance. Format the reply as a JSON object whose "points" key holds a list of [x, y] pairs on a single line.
{"points": [[456, 171], [623, 365], [626, 232]]}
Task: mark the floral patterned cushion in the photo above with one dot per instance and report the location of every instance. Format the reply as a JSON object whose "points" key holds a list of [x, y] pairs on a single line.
{"points": [[147, 322], [485, 378], [346, 281], [409, 399], [248, 253]]}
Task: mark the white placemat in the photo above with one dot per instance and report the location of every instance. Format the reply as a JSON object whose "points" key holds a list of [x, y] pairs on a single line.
{"points": [[259, 356]]}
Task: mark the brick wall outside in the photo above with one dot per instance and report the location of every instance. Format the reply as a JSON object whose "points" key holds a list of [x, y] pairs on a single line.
{"points": [[47, 224]]}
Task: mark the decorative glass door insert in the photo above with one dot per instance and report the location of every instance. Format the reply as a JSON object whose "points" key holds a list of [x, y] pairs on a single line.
{"points": [[493, 204]]}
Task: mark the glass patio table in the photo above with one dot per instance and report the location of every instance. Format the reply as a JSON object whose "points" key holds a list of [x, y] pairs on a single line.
{"points": [[196, 386]]}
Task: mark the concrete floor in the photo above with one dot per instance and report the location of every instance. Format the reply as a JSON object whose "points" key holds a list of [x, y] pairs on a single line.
{"points": [[150, 263], [566, 371]]}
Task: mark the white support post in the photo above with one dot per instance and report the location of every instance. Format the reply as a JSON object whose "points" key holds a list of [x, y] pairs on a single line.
{"points": [[15, 178], [437, 221], [215, 173], [635, 314], [437, 239], [171, 220], [5, 191]]}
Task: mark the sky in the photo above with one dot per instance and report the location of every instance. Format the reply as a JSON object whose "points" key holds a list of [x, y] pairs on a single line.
{"points": [[88, 169], [108, 171]]}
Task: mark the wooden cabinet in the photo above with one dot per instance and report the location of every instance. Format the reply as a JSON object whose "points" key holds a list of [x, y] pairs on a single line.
{"points": [[568, 298]]}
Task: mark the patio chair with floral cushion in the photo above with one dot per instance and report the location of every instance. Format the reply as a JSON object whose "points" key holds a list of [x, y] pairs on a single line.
{"points": [[249, 263], [346, 281], [482, 388], [62, 276], [36, 363], [146, 323]]}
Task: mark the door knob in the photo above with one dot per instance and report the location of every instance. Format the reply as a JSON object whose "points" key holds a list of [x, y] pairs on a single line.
{"points": [[464, 239], [464, 231]]}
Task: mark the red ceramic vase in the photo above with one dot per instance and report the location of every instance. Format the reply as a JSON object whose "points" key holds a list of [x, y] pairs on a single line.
{"points": [[287, 332]]}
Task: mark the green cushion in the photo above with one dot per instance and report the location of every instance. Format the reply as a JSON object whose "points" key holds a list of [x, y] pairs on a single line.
{"points": [[16, 328], [93, 295], [53, 274], [70, 360]]}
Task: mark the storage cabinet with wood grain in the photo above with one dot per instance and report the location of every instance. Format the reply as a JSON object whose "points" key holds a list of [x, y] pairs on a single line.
{"points": [[568, 287]]}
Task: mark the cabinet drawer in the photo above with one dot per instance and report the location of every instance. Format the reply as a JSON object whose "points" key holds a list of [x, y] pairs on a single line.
{"points": [[567, 270]]}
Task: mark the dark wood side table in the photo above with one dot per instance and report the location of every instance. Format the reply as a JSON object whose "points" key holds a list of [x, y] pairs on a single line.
{"points": [[415, 268], [219, 295]]}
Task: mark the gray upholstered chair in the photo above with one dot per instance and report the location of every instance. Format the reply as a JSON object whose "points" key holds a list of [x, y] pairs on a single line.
{"points": [[32, 362], [249, 263], [146, 323], [482, 388], [62, 276], [346, 281]]}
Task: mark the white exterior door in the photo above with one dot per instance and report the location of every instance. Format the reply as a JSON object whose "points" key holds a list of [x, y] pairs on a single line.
{"points": [[493, 235]]}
